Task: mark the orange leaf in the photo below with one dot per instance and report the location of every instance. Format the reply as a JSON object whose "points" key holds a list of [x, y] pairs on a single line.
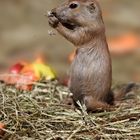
{"points": [[123, 44], [2, 126], [24, 87], [72, 56], [21, 81]]}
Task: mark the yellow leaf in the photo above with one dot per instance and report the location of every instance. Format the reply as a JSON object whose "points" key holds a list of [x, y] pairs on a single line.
{"points": [[42, 70]]}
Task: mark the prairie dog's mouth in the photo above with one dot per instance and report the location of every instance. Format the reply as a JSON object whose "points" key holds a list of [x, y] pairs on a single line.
{"points": [[66, 23], [69, 25]]}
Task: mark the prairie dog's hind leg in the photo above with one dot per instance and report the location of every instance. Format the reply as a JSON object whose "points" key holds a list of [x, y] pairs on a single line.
{"points": [[94, 104]]}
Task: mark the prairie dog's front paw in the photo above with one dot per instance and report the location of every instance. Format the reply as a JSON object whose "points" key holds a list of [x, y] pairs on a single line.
{"points": [[53, 21]]}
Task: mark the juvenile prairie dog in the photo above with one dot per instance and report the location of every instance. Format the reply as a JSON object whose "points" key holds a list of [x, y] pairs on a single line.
{"points": [[80, 22]]}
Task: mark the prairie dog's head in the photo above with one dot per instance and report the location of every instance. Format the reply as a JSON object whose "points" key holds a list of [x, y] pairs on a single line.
{"points": [[79, 13]]}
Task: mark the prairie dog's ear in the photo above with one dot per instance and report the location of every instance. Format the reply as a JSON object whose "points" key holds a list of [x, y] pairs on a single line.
{"points": [[91, 7]]}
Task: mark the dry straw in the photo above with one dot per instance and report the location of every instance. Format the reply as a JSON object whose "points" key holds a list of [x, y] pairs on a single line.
{"points": [[40, 115]]}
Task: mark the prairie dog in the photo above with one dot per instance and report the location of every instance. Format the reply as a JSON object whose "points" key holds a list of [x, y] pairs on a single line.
{"points": [[80, 22]]}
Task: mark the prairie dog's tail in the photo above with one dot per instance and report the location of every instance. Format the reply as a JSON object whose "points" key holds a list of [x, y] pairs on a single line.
{"points": [[123, 91]]}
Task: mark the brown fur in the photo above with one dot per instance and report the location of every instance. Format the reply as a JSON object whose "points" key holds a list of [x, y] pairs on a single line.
{"points": [[91, 74]]}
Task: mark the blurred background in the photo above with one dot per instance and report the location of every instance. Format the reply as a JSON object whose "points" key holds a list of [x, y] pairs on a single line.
{"points": [[24, 35]]}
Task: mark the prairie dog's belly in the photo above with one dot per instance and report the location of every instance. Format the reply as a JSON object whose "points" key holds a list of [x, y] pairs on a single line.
{"points": [[82, 75], [89, 76]]}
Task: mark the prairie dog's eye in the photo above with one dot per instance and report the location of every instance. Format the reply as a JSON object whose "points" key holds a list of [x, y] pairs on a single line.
{"points": [[73, 5]]}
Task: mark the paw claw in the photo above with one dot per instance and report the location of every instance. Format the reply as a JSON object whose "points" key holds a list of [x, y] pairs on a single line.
{"points": [[53, 21]]}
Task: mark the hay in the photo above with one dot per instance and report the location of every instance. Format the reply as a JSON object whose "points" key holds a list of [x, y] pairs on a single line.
{"points": [[39, 115]]}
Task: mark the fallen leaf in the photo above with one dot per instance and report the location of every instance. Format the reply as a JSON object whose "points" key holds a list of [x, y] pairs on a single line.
{"points": [[123, 44], [24, 74], [72, 56], [16, 68], [23, 82], [2, 126]]}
